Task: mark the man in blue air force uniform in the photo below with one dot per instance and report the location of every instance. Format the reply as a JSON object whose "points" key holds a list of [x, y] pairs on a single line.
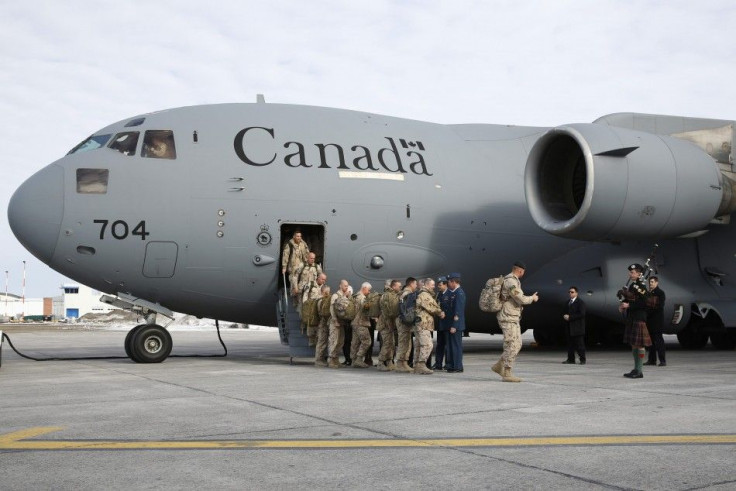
{"points": [[456, 316], [443, 324]]}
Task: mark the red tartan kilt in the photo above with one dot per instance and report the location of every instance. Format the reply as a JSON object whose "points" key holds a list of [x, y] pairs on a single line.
{"points": [[637, 334]]}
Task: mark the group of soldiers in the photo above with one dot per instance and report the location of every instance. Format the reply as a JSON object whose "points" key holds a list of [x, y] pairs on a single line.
{"points": [[382, 313], [444, 308]]}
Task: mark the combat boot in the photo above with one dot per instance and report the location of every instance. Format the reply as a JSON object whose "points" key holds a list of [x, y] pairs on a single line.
{"points": [[421, 368], [390, 365], [509, 377], [333, 363], [320, 363], [360, 364], [382, 367], [498, 367], [402, 366]]}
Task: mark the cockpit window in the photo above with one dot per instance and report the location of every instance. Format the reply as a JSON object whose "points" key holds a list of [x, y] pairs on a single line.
{"points": [[91, 143], [125, 143], [159, 144], [92, 181]]}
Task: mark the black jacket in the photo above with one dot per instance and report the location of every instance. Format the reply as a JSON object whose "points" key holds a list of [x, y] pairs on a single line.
{"points": [[576, 311]]}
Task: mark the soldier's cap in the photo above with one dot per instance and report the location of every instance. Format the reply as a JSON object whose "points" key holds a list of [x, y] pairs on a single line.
{"points": [[453, 276], [442, 279], [520, 264], [636, 267]]}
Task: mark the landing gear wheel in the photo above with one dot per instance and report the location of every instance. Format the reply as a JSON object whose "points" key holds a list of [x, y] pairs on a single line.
{"points": [[724, 340], [151, 344], [689, 339], [129, 341]]}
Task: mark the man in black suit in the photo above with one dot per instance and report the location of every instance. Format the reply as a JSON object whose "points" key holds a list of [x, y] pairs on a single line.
{"points": [[655, 322], [575, 318]]}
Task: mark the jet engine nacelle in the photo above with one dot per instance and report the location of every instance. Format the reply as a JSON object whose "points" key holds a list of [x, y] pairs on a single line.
{"points": [[597, 182]]}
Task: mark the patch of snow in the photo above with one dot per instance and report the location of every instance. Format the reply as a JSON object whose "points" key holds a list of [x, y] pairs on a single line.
{"points": [[119, 320]]}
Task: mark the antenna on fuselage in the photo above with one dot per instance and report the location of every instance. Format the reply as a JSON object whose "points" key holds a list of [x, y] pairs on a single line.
{"points": [[260, 99]]}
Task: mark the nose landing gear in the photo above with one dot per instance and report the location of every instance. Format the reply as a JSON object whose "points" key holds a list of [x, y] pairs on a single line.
{"points": [[148, 343], [145, 343]]}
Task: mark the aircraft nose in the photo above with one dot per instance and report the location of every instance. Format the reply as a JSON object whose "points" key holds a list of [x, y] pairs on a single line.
{"points": [[36, 209]]}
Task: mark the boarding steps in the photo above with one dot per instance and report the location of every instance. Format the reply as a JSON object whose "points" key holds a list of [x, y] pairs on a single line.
{"points": [[289, 324]]}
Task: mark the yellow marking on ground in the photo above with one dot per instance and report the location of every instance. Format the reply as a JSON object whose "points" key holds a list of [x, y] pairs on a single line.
{"points": [[20, 440]]}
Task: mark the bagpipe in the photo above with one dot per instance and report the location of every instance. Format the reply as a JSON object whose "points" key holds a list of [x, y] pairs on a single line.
{"points": [[650, 266]]}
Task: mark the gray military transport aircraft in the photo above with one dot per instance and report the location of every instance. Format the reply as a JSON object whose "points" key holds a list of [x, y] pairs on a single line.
{"points": [[187, 210]]}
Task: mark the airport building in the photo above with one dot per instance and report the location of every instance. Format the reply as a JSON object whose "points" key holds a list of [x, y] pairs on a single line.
{"points": [[74, 302]]}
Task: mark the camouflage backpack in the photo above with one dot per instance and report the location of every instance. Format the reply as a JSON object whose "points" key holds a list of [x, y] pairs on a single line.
{"points": [[407, 309], [310, 312], [372, 304], [491, 299], [346, 308], [323, 305], [390, 304]]}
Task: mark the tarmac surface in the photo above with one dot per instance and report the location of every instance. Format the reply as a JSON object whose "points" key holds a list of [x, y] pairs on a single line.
{"points": [[251, 420]]}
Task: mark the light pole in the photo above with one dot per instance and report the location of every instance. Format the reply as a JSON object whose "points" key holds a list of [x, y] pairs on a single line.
{"points": [[23, 296]]}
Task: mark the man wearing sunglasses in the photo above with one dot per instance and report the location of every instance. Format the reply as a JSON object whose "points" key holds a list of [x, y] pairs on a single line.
{"points": [[575, 318]]}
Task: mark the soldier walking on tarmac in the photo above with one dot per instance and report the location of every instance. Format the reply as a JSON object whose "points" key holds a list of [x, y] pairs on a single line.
{"points": [[509, 317]]}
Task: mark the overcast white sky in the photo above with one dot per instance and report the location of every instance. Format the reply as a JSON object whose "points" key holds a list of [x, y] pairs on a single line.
{"points": [[69, 68]]}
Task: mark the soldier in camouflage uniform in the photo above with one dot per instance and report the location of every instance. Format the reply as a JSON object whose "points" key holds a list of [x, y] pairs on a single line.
{"points": [[337, 327], [294, 254], [305, 279], [305, 274], [404, 346], [309, 291], [323, 329], [426, 309], [508, 318], [387, 328], [361, 341]]}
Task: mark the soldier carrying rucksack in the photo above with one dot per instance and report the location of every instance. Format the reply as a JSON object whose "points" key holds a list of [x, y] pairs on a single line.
{"points": [[408, 300], [386, 326], [323, 328], [309, 311], [337, 326]]}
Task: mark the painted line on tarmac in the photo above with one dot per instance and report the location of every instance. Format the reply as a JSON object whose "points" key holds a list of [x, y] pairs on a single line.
{"points": [[21, 440]]}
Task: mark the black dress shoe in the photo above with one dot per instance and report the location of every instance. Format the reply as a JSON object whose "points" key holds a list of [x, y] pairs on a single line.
{"points": [[582, 362], [650, 364], [634, 374], [454, 370], [347, 363], [568, 362], [662, 364]]}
